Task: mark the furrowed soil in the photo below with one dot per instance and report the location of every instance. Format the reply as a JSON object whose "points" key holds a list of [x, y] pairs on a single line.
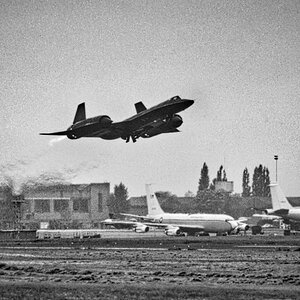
{"points": [[232, 267]]}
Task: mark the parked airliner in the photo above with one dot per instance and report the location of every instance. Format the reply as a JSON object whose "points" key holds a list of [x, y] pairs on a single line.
{"points": [[179, 223], [281, 206]]}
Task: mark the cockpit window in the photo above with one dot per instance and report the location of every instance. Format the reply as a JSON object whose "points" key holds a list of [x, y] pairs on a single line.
{"points": [[175, 98]]}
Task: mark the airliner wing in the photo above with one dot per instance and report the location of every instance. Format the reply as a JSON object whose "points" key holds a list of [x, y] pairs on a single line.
{"points": [[132, 216], [170, 229], [144, 218], [177, 229], [281, 212], [119, 223]]}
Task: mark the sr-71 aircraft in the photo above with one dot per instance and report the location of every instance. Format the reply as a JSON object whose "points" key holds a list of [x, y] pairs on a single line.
{"points": [[177, 223], [146, 123], [281, 206]]}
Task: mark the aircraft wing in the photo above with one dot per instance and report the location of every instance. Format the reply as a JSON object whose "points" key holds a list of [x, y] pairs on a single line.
{"points": [[133, 216], [119, 223], [144, 218], [170, 229], [177, 229], [281, 212]]}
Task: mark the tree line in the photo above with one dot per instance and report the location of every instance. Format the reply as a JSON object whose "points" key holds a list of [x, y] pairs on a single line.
{"points": [[207, 198], [260, 181]]}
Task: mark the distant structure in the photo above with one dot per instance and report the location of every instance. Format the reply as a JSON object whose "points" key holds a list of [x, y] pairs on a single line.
{"points": [[67, 206], [10, 212], [226, 186]]}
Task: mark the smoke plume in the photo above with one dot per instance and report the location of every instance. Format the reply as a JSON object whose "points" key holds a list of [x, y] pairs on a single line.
{"points": [[54, 141]]}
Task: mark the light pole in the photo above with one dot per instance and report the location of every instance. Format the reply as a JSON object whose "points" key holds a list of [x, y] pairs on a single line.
{"points": [[276, 158]]}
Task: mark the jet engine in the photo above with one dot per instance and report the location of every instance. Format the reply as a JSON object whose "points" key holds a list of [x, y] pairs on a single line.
{"points": [[268, 211], [172, 231], [175, 121], [163, 126], [105, 121], [238, 226], [141, 228], [72, 136], [243, 227], [233, 224]]}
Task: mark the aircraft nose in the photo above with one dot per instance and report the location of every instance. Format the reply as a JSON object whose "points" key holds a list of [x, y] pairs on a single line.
{"points": [[189, 102]]}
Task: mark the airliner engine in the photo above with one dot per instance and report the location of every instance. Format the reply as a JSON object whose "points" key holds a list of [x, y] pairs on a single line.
{"points": [[172, 231], [269, 211], [243, 227], [233, 224], [238, 226], [141, 228]]}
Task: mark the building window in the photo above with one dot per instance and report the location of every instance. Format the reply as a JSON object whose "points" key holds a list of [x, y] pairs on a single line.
{"points": [[61, 205], [100, 202], [80, 205], [42, 205]]}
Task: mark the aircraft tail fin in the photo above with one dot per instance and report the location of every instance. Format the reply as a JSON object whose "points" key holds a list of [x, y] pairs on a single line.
{"points": [[80, 113], [279, 201], [139, 106], [152, 202]]}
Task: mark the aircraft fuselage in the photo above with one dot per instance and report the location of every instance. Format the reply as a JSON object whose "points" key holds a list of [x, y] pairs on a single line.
{"points": [[294, 214], [211, 223]]}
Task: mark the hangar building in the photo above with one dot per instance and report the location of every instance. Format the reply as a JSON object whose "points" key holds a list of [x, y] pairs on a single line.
{"points": [[75, 205]]}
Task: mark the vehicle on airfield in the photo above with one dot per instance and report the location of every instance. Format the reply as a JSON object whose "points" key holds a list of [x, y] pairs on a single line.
{"points": [[281, 206], [146, 123], [179, 223], [67, 233]]}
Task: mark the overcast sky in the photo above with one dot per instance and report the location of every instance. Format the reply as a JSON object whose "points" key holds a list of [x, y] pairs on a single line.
{"points": [[240, 61]]}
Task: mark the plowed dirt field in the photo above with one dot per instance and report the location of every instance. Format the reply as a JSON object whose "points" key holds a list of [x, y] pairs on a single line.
{"points": [[152, 268]]}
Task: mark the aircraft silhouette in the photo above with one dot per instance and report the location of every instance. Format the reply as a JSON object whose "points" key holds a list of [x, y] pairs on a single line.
{"points": [[146, 123]]}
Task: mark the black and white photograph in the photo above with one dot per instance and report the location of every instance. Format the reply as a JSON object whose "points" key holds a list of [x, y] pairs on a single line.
{"points": [[150, 149]]}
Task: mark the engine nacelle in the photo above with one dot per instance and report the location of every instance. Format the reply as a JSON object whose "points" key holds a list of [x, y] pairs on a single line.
{"points": [[175, 121], [163, 126], [172, 231], [105, 121], [268, 211], [72, 136], [141, 228], [243, 227], [234, 224]]}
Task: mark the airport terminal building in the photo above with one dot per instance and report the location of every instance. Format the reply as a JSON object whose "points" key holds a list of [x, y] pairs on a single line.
{"points": [[73, 205]]}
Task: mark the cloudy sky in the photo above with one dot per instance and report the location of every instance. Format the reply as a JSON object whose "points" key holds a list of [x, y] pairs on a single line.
{"points": [[239, 60]]}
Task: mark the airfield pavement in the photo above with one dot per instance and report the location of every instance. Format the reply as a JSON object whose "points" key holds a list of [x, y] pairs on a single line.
{"points": [[152, 266]]}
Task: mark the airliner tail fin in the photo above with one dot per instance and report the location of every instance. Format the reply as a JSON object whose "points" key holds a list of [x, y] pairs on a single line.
{"points": [[279, 201], [152, 202]]}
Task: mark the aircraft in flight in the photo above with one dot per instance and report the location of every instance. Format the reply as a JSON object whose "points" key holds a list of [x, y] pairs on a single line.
{"points": [[280, 205], [146, 123], [179, 223]]}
